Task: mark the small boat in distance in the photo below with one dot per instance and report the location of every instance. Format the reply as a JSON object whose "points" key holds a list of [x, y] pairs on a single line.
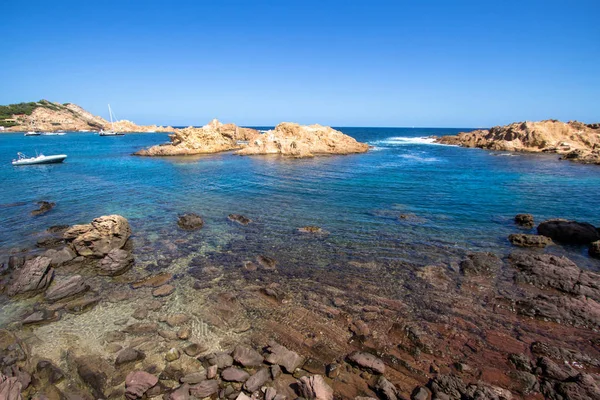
{"points": [[110, 132], [38, 159], [59, 133], [32, 133]]}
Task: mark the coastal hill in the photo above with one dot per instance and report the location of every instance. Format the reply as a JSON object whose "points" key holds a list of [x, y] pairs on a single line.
{"points": [[213, 137], [573, 140], [48, 116]]}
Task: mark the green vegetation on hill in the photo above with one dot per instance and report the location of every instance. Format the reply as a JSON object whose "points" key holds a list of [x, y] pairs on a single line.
{"points": [[7, 112]]}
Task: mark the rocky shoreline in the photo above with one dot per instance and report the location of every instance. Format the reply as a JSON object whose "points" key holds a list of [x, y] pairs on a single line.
{"points": [[573, 140], [94, 324]]}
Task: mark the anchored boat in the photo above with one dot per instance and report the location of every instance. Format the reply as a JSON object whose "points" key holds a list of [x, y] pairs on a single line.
{"points": [[39, 159]]}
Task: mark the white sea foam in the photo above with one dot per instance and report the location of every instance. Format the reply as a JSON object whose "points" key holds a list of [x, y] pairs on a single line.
{"points": [[414, 157], [404, 140]]}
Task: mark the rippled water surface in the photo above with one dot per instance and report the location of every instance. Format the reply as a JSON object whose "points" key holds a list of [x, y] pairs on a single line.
{"points": [[455, 200]]}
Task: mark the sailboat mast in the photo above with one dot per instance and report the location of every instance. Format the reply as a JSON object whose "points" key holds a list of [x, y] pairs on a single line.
{"points": [[111, 118]]}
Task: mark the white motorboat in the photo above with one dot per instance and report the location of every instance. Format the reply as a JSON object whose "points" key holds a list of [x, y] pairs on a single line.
{"points": [[59, 133], [39, 159], [110, 132], [33, 133]]}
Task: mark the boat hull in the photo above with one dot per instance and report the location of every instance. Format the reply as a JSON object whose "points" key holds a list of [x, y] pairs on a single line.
{"points": [[41, 160]]}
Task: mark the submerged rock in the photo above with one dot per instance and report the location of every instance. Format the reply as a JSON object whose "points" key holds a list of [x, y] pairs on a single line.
{"points": [[10, 388], [190, 222], [523, 240], [137, 383], [311, 229], [129, 355], [64, 288], [480, 264], [594, 249], [32, 278], [204, 389], [240, 219], [565, 231], [525, 220], [45, 206], [267, 263], [164, 290], [94, 371], [100, 237], [116, 262]]}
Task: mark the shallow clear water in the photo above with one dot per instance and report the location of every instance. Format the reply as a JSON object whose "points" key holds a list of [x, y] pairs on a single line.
{"points": [[462, 199]]}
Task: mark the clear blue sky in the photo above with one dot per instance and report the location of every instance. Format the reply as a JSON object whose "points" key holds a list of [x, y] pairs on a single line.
{"points": [[342, 63]]}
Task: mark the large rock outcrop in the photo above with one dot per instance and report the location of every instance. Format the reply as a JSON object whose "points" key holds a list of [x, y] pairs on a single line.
{"points": [[290, 139], [574, 140], [213, 137], [101, 236]]}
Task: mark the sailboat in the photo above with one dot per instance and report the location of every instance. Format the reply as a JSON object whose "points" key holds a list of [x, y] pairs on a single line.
{"points": [[33, 132], [110, 132]]}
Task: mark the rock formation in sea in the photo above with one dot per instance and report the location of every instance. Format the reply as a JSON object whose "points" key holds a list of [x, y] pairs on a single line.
{"points": [[573, 140], [213, 137], [49, 117], [291, 139]]}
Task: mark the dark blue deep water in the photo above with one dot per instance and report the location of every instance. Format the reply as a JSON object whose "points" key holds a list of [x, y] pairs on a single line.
{"points": [[456, 200]]}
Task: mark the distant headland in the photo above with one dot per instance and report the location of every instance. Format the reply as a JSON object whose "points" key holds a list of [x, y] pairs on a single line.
{"points": [[47, 116]]}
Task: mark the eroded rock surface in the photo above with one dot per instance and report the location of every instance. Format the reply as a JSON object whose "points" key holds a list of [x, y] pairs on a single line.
{"points": [[290, 139]]}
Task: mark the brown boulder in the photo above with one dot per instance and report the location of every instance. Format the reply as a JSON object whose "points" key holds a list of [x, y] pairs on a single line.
{"points": [[100, 237], [190, 222], [278, 354], [314, 388], [572, 232], [137, 383], [233, 374], [204, 389], [524, 220], [247, 357], [523, 240], [257, 380], [66, 287], [367, 360], [116, 262], [32, 278], [45, 206], [10, 388]]}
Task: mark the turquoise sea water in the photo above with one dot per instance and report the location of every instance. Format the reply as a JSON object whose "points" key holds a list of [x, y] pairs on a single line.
{"points": [[457, 200]]}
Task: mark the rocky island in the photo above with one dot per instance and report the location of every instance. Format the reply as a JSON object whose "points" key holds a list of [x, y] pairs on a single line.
{"points": [[287, 139], [49, 117], [290, 139], [573, 140], [213, 137]]}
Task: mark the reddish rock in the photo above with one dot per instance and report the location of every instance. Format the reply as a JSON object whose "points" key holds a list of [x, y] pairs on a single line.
{"points": [[247, 357], [153, 281], [137, 383], [204, 389], [283, 357], [523, 240], [116, 262], [366, 360], [66, 287], [163, 291], [10, 388], [233, 374], [314, 388], [257, 380]]}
